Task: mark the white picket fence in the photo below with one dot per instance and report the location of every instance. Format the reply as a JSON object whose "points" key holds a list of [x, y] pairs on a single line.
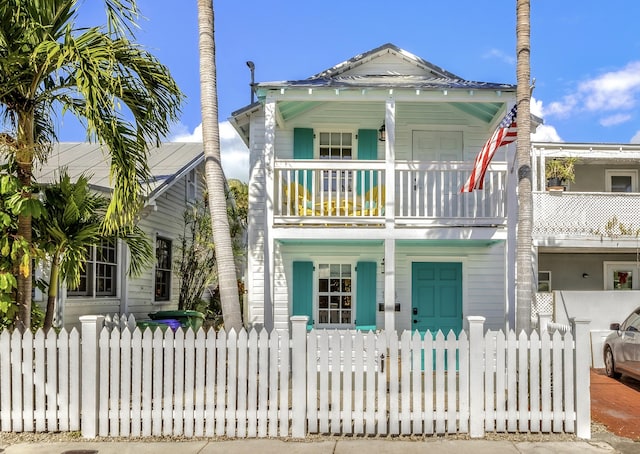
{"points": [[282, 384]]}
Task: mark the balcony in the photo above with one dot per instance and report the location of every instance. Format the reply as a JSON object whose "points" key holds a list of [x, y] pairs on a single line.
{"points": [[585, 214], [311, 192]]}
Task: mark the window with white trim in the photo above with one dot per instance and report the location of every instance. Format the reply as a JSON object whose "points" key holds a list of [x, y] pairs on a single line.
{"points": [[100, 274], [621, 180], [544, 281], [340, 146], [335, 294], [191, 186], [621, 276], [163, 269]]}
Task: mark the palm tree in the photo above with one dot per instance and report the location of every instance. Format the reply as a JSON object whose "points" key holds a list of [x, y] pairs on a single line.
{"points": [[71, 222], [525, 201], [49, 65], [227, 276]]}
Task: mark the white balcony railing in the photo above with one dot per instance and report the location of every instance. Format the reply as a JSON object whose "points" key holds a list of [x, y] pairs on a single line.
{"points": [[585, 213], [312, 192]]}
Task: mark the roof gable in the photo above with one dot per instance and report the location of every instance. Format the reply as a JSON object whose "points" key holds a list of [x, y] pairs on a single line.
{"points": [[386, 66], [389, 60]]}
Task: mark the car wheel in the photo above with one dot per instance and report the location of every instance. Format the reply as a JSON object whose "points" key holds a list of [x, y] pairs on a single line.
{"points": [[609, 364]]}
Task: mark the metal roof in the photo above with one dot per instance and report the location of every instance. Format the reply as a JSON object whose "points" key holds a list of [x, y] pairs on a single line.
{"points": [[362, 74], [167, 163], [387, 81], [432, 77]]}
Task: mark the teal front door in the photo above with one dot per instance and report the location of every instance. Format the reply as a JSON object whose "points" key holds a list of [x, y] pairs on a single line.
{"points": [[436, 297]]}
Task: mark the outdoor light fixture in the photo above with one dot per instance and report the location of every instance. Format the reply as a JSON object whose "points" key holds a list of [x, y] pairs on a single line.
{"points": [[382, 133]]}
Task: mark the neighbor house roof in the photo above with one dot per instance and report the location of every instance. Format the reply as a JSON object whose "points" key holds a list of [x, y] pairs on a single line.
{"points": [[167, 163]]}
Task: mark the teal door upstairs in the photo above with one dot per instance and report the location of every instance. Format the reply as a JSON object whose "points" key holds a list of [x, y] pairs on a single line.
{"points": [[436, 297]]}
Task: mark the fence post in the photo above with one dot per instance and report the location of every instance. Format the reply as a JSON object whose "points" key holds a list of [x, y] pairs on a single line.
{"points": [[582, 379], [91, 327], [543, 322], [476, 376], [299, 376]]}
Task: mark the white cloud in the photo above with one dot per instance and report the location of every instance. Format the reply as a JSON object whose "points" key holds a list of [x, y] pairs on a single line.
{"points": [[615, 119], [613, 90], [500, 55], [610, 92], [536, 107], [546, 133], [636, 138], [233, 151]]}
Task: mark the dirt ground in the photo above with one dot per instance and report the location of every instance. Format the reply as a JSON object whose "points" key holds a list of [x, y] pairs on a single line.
{"points": [[616, 404]]}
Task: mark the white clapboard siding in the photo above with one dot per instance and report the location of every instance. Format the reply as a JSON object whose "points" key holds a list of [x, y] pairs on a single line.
{"points": [[292, 383]]}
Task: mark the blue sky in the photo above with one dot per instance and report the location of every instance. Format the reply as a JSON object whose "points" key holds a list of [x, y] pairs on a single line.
{"points": [[585, 55]]}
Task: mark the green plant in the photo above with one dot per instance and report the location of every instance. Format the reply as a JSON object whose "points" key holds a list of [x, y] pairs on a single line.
{"points": [[562, 169]]}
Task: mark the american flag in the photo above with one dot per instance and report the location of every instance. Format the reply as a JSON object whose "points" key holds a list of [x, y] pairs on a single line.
{"points": [[503, 135]]}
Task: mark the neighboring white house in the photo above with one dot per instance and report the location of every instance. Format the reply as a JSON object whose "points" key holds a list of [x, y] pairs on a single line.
{"points": [[356, 217], [105, 286], [586, 237]]}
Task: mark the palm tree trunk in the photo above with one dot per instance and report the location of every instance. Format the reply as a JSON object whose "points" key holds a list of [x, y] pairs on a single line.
{"points": [[227, 277], [24, 159], [525, 202], [52, 294]]}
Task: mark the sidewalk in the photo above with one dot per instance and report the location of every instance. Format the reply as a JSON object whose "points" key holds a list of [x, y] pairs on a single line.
{"points": [[320, 446]]}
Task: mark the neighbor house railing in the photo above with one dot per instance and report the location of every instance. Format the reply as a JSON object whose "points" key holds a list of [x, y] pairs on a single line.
{"points": [[584, 213], [317, 191], [290, 384]]}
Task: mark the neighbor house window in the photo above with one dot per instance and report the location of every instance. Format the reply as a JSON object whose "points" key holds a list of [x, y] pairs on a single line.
{"points": [[336, 145], [621, 180], [621, 276], [163, 269], [100, 274], [335, 295], [544, 281], [191, 186]]}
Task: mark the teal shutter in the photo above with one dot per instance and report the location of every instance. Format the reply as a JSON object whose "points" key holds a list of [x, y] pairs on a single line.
{"points": [[303, 290], [366, 296], [367, 149], [303, 149]]}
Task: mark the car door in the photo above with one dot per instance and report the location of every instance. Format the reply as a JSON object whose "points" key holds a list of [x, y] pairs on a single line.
{"points": [[631, 345]]}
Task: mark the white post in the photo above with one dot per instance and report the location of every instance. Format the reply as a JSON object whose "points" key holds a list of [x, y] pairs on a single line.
{"points": [[299, 376], [476, 376], [268, 242], [582, 380], [543, 322], [91, 327], [389, 284]]}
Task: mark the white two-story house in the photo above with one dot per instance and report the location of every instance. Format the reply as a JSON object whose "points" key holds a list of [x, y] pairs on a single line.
{"points": [[586, 234], [356, 215]]}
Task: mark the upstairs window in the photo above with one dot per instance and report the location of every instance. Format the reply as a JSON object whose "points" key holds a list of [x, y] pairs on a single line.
{"points": [[191, 186], [622, 180], [337, 146]]}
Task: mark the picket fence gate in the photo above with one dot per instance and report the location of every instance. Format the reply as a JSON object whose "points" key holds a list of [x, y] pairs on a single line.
{"points": [[127, 383]]}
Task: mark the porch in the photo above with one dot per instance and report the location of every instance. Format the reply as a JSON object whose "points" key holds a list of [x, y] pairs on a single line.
{"points": [[586, 214], [404, 194]]}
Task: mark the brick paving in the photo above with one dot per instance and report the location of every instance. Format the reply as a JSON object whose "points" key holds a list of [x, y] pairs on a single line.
{"points": [[616, 404]]}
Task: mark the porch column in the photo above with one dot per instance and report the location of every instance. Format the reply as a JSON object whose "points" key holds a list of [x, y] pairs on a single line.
{"points": [[390, 161], [268, 246], [389, 284], [389, 214]]}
